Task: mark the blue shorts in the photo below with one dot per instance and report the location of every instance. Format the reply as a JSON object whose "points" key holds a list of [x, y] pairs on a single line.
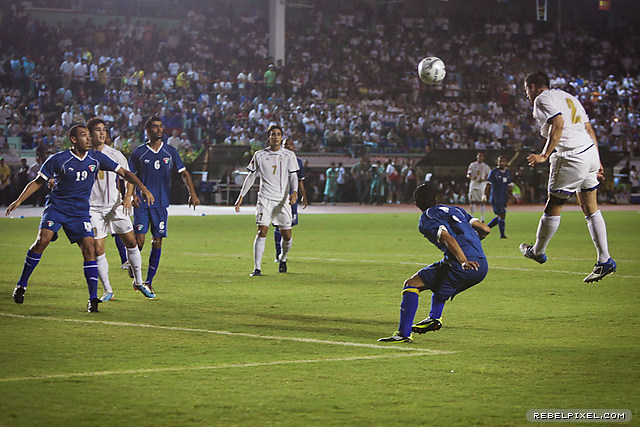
{"points": [[157, 217], [448, 280], [76, 228], [499, 208]]}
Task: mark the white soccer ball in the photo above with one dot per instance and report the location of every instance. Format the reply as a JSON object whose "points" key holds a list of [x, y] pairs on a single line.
{"points": [[431, 70]]}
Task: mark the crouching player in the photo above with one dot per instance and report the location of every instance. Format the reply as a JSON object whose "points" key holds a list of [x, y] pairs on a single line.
{"points": [[452, 230]]}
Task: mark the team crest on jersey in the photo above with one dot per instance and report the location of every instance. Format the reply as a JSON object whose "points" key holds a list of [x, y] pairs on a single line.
{"points": [[92, 168], [139, 227], [50, 223], [166, 160]]}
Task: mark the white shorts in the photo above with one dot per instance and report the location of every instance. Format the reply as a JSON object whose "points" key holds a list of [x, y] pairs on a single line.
{"points": [[107, 221], [574, 170], [476, 193], [268, 211]]}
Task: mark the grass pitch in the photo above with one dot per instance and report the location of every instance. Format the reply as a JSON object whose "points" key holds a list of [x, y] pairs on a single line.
{"points": [[220, 348]]}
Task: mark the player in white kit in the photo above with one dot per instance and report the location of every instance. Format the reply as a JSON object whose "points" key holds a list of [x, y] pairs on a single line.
{"points": [[572, 151], [478, 172], [109, 212], [277, 168]]}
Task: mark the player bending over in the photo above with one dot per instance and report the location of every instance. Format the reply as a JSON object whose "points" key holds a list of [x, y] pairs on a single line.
{"points": [[452, 230]]}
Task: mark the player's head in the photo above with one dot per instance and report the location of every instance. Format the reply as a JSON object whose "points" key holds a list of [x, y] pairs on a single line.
{"points": [[154, 128], [480, 157], [288, 144], [425, 196], [275, 136], [534, 84], [98, 130], [502, 162], [80, 138]]}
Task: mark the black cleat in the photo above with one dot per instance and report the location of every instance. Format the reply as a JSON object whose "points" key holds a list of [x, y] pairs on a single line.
{"points": [[283, 267], [427, 325], [92, 305], [396, 337], [255, 273], [18, 294]]}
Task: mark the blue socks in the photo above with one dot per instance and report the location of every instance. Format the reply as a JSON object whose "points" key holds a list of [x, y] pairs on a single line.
{"points": [[122, 250], [154, 261], [408, 310], [31, 260], [277, 237], [493, 222], [501, 227], [91, 274], [437, 305]]}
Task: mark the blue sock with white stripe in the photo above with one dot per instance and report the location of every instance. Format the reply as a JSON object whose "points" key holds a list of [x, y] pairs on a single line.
{"points": [[277, 237], [437, 305], [493, 222], [91, 274], [31, 260], [154, 262], [122, 250], [408, 310]]}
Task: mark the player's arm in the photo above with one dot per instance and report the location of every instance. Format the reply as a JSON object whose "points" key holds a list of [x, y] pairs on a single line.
{"points": [[293, 182], [452, 245], [481, 228], [31, 188], [557, 125], [132, 178], [246, 186], [303, 194], [193, 197], [592, 134]]}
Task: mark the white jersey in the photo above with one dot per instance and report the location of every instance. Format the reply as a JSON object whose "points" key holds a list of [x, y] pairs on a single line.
{"points": [[552, 102], [478, 173], [104, 193], [274, 168]]}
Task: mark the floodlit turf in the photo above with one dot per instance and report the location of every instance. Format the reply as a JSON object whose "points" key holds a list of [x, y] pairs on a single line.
{"points": [[220, 348]]}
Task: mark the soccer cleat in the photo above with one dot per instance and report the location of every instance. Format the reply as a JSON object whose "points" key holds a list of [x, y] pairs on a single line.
{"points": [[283, 267], [503, 237], [92, 305], [396, 337], [600, 270], [125, 265], [148, 284], [255, 273], [427, 325], [527, 251], [145, 289], [106, 296], [18, 294]]}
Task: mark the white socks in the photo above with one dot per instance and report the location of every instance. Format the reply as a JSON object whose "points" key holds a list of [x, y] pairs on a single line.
{"points": [[598, 231], [285, 245], [135, 259], [258, 251], [546, 229], [103, 272]]}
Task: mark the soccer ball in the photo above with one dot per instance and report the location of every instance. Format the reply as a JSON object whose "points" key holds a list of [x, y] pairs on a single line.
{"points": [[431, 70]]}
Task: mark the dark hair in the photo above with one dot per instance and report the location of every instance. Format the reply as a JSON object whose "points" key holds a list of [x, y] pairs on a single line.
{"points": [[73, 132], [272, 127], [539, 79], [93, 122], [425, 196], [147, 124]]}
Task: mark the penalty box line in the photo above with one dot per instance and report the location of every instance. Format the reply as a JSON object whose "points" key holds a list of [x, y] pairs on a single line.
{"points": [[212, 367], [423, 351]]}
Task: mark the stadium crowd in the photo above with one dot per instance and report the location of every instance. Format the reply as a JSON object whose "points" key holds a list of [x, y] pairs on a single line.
{"points": [[349, 84]]}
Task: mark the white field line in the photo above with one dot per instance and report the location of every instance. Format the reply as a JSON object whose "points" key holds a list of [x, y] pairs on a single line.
{"points": [[211, 367], [368, 261], [233, 334]]}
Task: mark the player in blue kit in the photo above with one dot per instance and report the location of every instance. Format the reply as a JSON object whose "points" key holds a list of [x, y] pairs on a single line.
{"points": [[452, 230], [500, 183], [153, 163], [74, 171], [277, 236]]}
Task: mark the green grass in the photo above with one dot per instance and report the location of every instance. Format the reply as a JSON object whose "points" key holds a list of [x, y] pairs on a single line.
{"points": [[529, 336]]}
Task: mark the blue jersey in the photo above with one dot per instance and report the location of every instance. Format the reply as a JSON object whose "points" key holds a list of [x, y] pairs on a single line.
{"points": [[456, 221], [74, 178], [500, 180], [154, 170]]}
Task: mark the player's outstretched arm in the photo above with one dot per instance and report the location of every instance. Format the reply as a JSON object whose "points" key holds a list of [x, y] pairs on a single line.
{"points": [[193, 197], [453, 246], [132, 178], [31, 188]]}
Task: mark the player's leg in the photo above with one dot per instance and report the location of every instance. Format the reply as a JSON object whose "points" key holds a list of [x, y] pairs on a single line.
{"points": [[122, 251], [502, 225], [158, 218], [34, 254], [598, 229], [264, 210], [283, 215], [472, 201], [90, 267], [277, 237], [100, 224], [133, 255]]}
